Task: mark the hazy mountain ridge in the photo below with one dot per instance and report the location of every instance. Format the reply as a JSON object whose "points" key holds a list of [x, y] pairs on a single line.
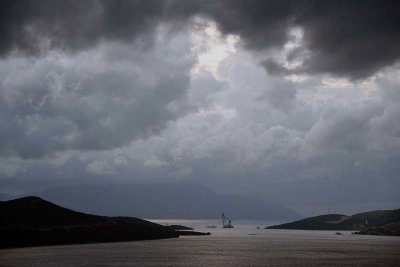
{"points": [[360, 221], [174, 200]]}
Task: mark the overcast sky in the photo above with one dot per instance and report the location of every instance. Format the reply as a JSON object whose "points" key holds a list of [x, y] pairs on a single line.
{"points": [[297, 102]]}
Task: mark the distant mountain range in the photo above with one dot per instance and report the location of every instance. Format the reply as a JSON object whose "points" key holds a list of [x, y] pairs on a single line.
{"points": [[32, 221], [379, 221], [168, 200]]}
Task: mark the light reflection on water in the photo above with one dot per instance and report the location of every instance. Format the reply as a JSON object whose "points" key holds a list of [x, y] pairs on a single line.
{"points": [[240, 226], [245, 245]]}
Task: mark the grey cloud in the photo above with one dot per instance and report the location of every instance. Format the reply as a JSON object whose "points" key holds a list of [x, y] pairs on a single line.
{"points": [[280, 94], [342, 129], [90, 101], [203, 87], [274, 68], [347, 152]]}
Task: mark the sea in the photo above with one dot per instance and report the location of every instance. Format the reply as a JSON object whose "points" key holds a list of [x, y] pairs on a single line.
{"points": [[248, 244]]}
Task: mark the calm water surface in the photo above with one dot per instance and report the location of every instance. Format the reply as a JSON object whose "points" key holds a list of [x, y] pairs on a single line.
{"points": [[245, 245]]}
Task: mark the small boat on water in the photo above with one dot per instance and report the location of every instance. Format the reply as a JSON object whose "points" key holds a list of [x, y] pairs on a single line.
{"points": [[212, 226]]}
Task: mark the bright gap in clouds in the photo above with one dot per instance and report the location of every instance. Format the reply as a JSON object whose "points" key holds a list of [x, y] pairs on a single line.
{"points": [[211, 46]]}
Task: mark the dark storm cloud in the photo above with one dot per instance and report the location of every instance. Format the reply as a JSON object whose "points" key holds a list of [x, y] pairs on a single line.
{"points": [[354, 38], [345, 38], [31, 26]]}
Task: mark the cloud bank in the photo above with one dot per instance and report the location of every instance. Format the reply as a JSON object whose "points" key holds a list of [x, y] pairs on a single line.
{"points": [[296, 102], [353, 39]]}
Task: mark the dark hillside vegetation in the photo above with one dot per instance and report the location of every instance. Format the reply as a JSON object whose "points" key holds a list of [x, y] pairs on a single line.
{"points": [[32, 221]]}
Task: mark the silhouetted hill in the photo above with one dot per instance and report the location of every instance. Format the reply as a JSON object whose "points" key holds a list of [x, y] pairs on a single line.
{"points": [[5, 197], [373, 218], [165, 200], [32, 221], [360, 221], [34, 211], [322, 222]]}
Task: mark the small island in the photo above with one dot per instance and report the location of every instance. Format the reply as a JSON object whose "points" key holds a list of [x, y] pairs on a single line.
{"points": [[32, 221], [379, 222]]}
